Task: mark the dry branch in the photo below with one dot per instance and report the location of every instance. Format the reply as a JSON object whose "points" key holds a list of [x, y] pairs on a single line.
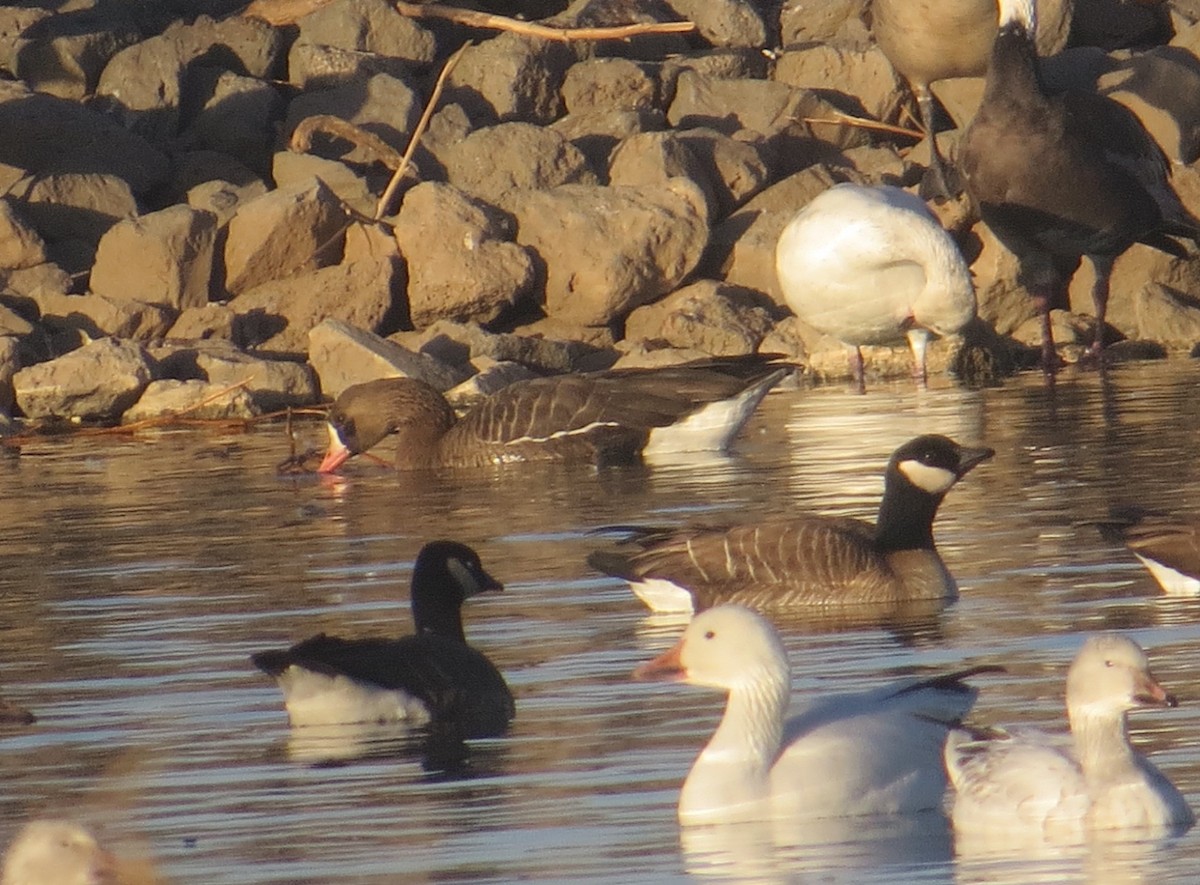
{"points": [[491, 22]]}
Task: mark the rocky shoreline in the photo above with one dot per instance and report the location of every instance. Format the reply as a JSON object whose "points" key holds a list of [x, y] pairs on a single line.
{"points": [[193, 219]]}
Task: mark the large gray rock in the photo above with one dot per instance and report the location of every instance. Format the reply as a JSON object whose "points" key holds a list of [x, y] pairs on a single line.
{"points": [[197, 400], [609, 250], [98, 381], [271, 384], [286, 231], [164, 257], [462, 264], [708, 316], [344, 355]]}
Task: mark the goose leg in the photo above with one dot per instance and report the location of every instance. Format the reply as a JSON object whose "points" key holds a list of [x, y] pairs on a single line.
{"points": [[939, 187], [1103, 265], [1049, 354], [857, 370], [918, 341]]}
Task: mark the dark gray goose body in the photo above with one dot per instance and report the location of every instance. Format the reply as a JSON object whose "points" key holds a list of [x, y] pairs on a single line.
{"points": [[810, 560], [432, 678], [1168, 545], [608, 417], [1058, 177]]}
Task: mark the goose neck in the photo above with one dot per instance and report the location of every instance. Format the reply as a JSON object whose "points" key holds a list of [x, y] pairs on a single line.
{"points": [[905, 520], [1101, 743], [752, 727]]}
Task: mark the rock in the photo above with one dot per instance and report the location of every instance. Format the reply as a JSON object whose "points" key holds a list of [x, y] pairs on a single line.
{"points": [[510, 77], [491, 163], [201, 323], [356, 191], [724, 22], [859, 82], [239, 116], [76, 205], [344, 355], [222, 199], [63, 55], [13, 325], [197, 400], [10, 364], [165, 257], [282, 233], [596, 133], [458, 344], [384, 105], [98, 316], [147, 85], [610, 84], [609, 250], [20, 245], [98, 381], [276, 317], [272, 384], [1154, 297], [736, 167], [462, 264], [364, 28], [708, 316], [196, 167], [15, 21], [654, 158], [1112, 24], [45, 135], [41, 279], [840, 22], [492, 377]]}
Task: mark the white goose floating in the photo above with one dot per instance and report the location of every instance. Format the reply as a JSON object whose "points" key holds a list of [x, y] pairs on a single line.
{"points": [[867, 753], [1030, 787]]}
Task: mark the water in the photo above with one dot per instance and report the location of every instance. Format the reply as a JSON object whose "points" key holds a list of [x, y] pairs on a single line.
{"points": [[137, 575]]}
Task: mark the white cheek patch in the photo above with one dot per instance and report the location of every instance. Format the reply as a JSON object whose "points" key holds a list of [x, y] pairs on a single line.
{"points": [[934, 480], [335, 441]]}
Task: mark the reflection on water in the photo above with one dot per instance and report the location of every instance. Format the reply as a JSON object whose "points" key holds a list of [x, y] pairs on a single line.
{"points": [[136, 576]]}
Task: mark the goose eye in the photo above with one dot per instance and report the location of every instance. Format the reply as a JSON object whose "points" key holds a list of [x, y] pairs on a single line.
{"points": [[709, 634], [1108, 663]]}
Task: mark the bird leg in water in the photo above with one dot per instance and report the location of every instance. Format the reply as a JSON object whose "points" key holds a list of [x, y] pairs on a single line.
{"points": [[857, 370], [1103, 265], [918, 341], [1050, 361]]}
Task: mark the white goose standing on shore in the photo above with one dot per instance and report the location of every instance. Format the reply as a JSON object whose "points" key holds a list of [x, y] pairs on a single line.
{"points": [[872, 265]]}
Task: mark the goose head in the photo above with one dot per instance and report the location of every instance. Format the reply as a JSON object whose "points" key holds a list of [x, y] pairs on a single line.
{"points": [[367, 413], [933, 463], [728, 647], [445, 575], [59, 852], [1110, 676]]}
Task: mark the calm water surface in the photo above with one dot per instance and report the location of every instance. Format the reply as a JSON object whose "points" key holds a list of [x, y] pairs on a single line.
{"points": [[138, 575]]}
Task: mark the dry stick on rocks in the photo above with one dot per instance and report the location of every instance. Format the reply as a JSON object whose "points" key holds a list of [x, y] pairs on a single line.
{"points": [[389, 192], [302, 137], [840, 119], [533, 29]]}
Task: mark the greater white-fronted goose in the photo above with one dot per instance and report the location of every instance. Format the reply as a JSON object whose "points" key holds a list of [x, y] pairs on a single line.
{"points": [[57, 852], [1030, 785], [608, 417], [14, 715], [931, 40], [809, 560], [1063, 176], [1168, 545], [871, 265], [871, 752], [432, 678]]}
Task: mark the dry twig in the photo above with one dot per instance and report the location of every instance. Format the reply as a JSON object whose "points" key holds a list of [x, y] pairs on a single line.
{"points": [[491, 22], [839, 119]]}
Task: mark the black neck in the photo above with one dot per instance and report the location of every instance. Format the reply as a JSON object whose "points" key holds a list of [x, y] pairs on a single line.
{"points": [[906, 513], [436, 608], [1013, 68]]}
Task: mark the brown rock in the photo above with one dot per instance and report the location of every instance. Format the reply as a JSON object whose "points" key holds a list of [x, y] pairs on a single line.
{"points": [[20, 245], [201, 323], [462, 264], [736, 167], [239, 117], [511, 77], [63, 55], [458, 344], [609, 250], [825, 21], [596, 133], [164, 257], [369, 29], [490, 163], [271, 384], [76, 205], [344, 355], [198, 400], [724, 22], [860, 82], [354, 190], [276, 317], [383, 105], [10, 364], [287, 231], [709, 316], [98, 381], [223, 199], [610, 84], [97, 316]]}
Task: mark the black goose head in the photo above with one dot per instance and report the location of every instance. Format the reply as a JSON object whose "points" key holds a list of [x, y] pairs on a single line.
{"points": [[445, 575], [918, 476]]}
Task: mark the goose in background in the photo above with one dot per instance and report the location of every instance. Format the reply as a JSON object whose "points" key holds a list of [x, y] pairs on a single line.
{"points": [[809, 560], [1059, 177], [931, 40], [11, 714], [1028, 786], [57, 852], [867, 753], [1167, 545], [432, 678], [611, 417], [872, 265]]}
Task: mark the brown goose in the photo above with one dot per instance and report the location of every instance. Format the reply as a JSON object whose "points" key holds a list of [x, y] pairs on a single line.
{"points": [[1063, 176], [432, 678], [598, 417], [810, 560], [931, 40], [1168, 546]]}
